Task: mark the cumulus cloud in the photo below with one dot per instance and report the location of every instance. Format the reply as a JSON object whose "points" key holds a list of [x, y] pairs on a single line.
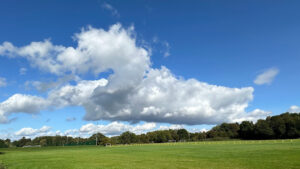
{"points": [[197, 130], [2, 82], [21, 103], [294, 109], [97, 51], [28, 131], [116, 128], [254, 115], [266, 77], [109, 7], [173, 127], [134, 91], [67, 95]]}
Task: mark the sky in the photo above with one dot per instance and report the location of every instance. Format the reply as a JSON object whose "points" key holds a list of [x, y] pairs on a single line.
{"points": [[79, 67]]}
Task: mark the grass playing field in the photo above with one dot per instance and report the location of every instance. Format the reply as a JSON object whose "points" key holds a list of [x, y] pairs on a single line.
{"points": [[281, 154]]}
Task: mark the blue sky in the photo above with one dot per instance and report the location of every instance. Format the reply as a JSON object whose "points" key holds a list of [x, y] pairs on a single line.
{"points": [[250, 46]]}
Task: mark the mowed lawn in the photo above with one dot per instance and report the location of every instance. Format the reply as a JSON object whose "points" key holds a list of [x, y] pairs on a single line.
{"points": [[208, 155]]}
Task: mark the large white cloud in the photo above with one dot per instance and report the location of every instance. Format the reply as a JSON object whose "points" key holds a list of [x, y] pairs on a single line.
{"points": [[67, 95], [21, 103], [133, 91], [266, 77], [161, 97]]}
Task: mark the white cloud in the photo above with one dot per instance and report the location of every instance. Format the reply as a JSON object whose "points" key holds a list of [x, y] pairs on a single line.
{"points": [[254, 115], [2, 82], [28, 131], [78, 95], [266, 77], [133, 91], [294, 109], [67, 95], [110, 129], [7, 49], [161, 97], [116, 128], [173, 127], [23, 71], [109, 7], [97, 51], [21, 103]]}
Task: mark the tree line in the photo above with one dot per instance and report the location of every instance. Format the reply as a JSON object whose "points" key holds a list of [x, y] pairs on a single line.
{"points": [[284, 126]]}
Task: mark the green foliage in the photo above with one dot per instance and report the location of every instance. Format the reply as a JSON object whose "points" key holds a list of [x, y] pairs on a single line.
{"points": [[282, 126], [263, 130], [43, 142], [128, 138], [183, 134], [143, 138], [101, 138], [22, 142], [226, 130], [3, 144], [246, 130]]}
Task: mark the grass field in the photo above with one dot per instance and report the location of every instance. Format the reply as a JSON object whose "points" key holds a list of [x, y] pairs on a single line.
{"points": [[281, 154]]}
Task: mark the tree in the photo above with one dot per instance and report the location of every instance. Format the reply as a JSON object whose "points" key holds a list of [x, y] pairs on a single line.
{"points": [[43, 142], [174, 135], [114, 140], [278, 125], [246, 130], [161, 137], [263, 130], [3, 144], [183, 134], [8, 142], [143, 138], [22, 142], [128, 138], [194, 136], [101, 139], [202, 136], [152, 136]]}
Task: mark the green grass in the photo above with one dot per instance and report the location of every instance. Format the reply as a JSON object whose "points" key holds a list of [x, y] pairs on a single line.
{"points": [[211, 155]]}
